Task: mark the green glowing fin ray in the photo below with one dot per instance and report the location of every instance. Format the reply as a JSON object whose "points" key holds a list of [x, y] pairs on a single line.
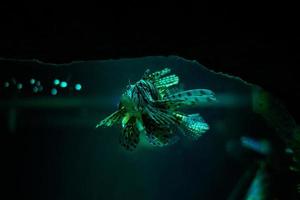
{"points": [[160, 116], [156, 75], [161, 136], [111, 119], [186, 98], [167, 81], [194, 125]]}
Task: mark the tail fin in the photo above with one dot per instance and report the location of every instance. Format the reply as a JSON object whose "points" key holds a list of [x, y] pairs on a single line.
{"points": [[194, 125]]}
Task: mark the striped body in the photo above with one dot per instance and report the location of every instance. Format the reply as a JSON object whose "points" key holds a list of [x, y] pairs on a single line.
{"points": [[143, 93]]}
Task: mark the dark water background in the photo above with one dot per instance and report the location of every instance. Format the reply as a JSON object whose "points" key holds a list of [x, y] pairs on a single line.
{"points": [[55, 152], [49, 147]]}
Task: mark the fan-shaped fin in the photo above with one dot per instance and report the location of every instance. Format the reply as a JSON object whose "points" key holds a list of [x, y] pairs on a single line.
{"points": [[156, 75], [195, 125], [162, 140], [186, 98], [129, 138], [167, 81], [160, 116]]}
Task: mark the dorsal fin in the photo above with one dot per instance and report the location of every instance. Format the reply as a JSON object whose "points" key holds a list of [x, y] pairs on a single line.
{"points": [[167, 81], [156, 75]]}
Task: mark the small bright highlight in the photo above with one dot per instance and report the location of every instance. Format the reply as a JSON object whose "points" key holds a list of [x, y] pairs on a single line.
{"points": [[54, 91], [63, 84], [19, 86], [56, 82], [78, 87], [32, 81]]}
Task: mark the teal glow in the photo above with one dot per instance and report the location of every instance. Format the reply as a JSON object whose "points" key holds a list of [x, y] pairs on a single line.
{"points": [[19, 86], [289, 151], [32, 81], [56, 82], [260, 146], [41, 88], [38, 83], [6, 84], [54, 91], [35, 89], [78, 86], [63, 84], [257, 187]]}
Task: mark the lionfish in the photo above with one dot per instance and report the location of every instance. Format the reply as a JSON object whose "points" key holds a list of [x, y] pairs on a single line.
{"points": [[151, 107]]}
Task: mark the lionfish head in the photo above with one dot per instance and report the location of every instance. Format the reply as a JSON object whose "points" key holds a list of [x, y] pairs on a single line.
{"points": [[126, 100]]}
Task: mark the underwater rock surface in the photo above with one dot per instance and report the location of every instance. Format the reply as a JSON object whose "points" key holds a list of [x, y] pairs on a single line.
{"points": [[58, 148]]}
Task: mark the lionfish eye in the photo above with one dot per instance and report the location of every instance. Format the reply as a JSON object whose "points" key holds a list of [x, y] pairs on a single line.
{"points": [[128, 87]]}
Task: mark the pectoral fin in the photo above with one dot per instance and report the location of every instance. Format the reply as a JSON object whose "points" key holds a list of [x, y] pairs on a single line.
{"points": [[129, 138], [111, 119]]}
